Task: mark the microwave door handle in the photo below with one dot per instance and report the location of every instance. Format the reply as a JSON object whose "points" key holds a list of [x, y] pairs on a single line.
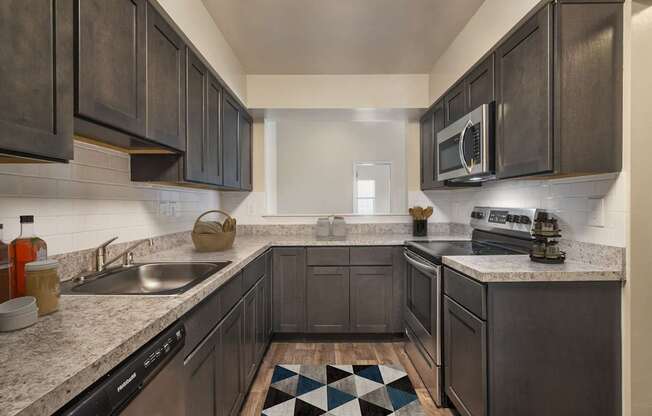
{"points": [[461, 147]]}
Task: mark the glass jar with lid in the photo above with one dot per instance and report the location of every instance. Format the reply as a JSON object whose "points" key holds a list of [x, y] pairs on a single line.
{"points": [[42, 282]]}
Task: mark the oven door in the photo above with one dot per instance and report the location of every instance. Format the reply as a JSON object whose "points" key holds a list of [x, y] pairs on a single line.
{"points": [[423, 303]]}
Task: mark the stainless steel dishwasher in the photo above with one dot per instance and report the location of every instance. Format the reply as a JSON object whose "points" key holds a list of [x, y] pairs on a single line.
{"points": [[148, 383]]}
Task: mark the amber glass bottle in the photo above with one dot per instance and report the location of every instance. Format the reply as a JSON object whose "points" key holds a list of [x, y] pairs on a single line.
{"points": [[26, 248]]}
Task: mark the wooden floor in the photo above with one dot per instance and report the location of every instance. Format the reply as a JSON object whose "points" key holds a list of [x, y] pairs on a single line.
{"points": [[333, 353]]}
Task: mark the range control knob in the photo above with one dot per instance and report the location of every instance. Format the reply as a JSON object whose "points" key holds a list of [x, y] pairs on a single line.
{"points": [[525, 219], [510, 218]]}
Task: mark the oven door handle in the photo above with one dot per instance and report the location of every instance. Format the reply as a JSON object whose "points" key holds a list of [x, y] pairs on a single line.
{"points": [[461, 147], [426, 268]]}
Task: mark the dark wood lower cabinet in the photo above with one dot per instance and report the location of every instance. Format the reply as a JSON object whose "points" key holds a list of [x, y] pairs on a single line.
{"points": [[231, 391], [543, 348], [371, 298], [289, 287], [465, 359], [249, 342], [328, 299], [201, 376]]}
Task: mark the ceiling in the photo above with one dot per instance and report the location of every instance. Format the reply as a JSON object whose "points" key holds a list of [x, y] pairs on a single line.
{"points": [[340, 36]]}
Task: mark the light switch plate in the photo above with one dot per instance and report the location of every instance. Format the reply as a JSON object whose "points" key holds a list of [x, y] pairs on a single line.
{"points": [[596, 212]]}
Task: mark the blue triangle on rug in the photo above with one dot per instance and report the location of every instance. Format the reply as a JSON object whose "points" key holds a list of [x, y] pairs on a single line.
{"points": [[400, 398], [281, 373], [306, 385], [337, 398]]}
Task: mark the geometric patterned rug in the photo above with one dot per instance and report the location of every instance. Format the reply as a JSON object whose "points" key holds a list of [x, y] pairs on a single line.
{"points": [[341, 390]]}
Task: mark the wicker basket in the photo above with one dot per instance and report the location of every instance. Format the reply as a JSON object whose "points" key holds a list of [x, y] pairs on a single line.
{"points": [[212, 235]]}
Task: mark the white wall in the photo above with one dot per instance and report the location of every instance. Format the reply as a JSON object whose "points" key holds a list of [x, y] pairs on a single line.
{"points": [[338, 91], [81, 204], [488, 25], [315, 163], [193, 19]]}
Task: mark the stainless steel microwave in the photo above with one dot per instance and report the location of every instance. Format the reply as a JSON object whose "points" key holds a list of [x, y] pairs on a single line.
{"points": [[465, 149]]}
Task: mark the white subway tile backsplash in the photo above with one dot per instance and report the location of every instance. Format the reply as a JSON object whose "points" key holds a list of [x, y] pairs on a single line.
{"points": [[567, 198], [84, 203]]}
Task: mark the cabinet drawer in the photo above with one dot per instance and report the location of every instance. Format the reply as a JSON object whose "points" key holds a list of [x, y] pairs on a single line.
{"points": [[328, 256], [254, 272], [200, 321], [371, 256], [231, 293], [467, 292]]}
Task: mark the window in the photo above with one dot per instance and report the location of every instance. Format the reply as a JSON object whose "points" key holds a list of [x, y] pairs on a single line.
{"points": [[366, 196], [371, 188]]}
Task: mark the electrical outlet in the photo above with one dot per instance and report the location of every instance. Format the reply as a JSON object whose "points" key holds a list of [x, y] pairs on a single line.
{"points": [[164, 208], [596, 212]]}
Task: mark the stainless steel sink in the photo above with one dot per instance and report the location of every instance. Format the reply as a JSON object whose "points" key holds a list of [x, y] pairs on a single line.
{"points": [[145, 279]]}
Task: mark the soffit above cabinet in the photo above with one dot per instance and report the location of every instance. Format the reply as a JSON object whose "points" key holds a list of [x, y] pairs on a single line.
{"points": [[340, 37]]}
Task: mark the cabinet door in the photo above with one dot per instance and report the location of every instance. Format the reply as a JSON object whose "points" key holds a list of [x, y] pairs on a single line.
{"points": [[430, 126], [268, 298], [479, 84], [328, 299], [524, 141], [250, 330], [111, 63], [231, 375], [231, 152], [245, 153], [200, 375], [196, 81], [427, 155], [465, 360], [166, 88], [289, 287], [371, 299], [261, 316], [213, 156], [455, 103], [36, 73]]}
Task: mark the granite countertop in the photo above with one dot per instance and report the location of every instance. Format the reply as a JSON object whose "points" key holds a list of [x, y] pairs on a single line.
{"points": [[519, 268], [48, 364]]}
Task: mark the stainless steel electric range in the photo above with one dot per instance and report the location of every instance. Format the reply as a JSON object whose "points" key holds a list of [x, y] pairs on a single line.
{"points": [[496, 231]]}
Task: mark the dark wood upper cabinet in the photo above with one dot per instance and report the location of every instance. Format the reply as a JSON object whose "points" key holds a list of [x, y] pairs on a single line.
{"points": [[230, 142], [111, 63], [36, 79], [245, 138], [588, 43], [455, 103], [431, 123], [524, 140], [214, 170], [480, 84], [166, 87], [196, 81]]}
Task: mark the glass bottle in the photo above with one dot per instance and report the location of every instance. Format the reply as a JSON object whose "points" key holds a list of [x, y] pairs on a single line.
{"points": [[26, 248], [5, 282]]}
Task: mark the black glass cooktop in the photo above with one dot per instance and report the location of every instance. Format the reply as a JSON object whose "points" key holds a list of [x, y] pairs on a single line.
{"points": [[434, 250]]}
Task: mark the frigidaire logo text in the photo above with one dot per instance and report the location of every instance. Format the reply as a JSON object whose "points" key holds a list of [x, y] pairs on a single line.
{"points": [[127, 381]]}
